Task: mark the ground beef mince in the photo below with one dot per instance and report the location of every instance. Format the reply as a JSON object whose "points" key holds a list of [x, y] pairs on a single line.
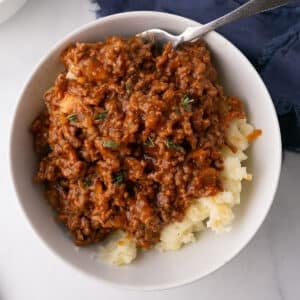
{"points": [[131, 135]]}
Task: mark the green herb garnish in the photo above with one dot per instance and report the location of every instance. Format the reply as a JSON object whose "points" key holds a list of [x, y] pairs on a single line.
{"points": [[171, 145], [149, 142], [109, 144], [177, 111], [72, 117], [102, 115], [87, 182], [128, 86], [118, 178], [186, 103]]}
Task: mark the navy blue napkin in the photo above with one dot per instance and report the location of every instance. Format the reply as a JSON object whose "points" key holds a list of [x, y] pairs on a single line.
{"points": [[270, 40]]}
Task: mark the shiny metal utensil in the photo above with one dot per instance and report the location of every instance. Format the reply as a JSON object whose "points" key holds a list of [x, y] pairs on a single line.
{"points": [[252, 7]]}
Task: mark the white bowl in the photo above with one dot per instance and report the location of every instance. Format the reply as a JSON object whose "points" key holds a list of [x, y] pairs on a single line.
{"points": [[154, 270]]}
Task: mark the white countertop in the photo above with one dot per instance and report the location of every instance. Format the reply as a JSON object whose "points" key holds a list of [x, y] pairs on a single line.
{"points": [[267, 269]]}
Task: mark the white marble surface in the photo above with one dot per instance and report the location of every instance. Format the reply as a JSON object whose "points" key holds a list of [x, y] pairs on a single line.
{"points": [[267, 269]]}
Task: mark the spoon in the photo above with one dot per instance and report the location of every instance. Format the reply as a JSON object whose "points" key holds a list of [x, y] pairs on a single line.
{"points": [[249, 8]]}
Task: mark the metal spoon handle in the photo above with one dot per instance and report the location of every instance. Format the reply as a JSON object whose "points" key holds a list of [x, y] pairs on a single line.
{"points": [[250, 8]]}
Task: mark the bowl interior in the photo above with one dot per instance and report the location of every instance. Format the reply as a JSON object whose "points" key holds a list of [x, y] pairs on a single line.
{"points": [[154, 270]]}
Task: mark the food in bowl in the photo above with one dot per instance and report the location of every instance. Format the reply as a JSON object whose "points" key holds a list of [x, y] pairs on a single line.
{"points": [[140, 142]]}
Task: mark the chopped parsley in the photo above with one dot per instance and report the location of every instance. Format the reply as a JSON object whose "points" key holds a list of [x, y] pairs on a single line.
{"points": [[87, 182], [118, 178], [109, 144], [177, 111], [149, 142], [171, 145], [101, 115], [186, 103], [72, 117], [128, 86]]}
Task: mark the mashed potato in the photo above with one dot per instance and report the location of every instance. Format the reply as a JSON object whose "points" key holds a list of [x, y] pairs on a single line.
{"points": [[214, 212], [119, 249]]}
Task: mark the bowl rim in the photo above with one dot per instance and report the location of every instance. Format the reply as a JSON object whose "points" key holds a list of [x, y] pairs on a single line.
{"points": [[18, 195]]}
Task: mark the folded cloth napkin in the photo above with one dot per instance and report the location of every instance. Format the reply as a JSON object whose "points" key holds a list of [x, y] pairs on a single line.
{"points": [[270, 40]]}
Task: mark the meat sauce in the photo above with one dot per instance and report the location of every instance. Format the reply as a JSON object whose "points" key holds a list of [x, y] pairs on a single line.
{"points": [[130, 136]]}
